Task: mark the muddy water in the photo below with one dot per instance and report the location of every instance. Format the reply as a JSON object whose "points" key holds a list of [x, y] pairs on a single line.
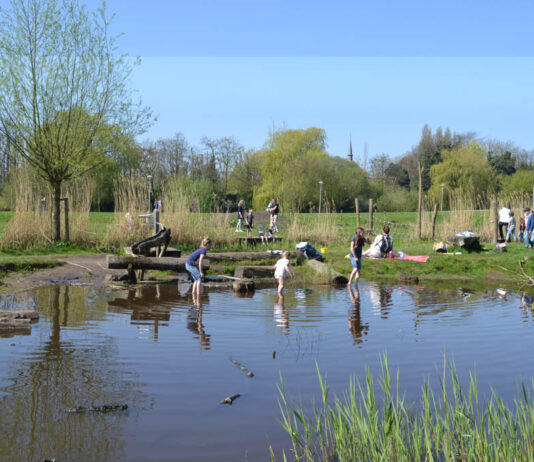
{"points": [[169, 362]]}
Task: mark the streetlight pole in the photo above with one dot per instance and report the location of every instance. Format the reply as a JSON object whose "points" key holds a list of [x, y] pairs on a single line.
{"points": [[442, 186], [149, 178], [320, 195]]}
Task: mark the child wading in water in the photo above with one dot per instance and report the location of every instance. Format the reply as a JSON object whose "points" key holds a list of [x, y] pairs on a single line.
{"points": [[356, 246], [281, 268], [193, 265]]}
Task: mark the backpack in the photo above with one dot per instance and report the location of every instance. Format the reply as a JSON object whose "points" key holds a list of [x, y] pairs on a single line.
{"points": [[386, 245]]}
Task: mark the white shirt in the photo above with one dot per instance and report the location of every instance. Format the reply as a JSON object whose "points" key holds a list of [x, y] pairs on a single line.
{"points": [[280, 268], [504, 215]]}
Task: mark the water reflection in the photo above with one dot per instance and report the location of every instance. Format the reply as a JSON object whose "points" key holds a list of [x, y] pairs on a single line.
{"points": [[281, 315], [59, 374], [194, 320], [381, 298], [356, 327]]}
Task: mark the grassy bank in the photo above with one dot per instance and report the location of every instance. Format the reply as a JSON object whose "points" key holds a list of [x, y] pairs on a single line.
{"points": [[449, 425], [326, 230]]}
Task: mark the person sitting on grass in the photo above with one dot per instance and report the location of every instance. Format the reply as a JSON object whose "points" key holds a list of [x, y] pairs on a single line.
{"points": [[281, 268], [381, 246], [193, 265], [261, 234], [250, 222]]}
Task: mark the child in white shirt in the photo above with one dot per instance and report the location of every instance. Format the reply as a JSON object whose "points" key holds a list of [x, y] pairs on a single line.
{"points": [[281, 268]]}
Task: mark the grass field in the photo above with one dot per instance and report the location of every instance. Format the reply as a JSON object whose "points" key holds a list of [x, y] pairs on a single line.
{"points": [[333, 231]]}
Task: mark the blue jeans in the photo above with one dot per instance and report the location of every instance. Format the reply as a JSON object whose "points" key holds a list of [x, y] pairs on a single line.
{"points": [[526, 238], [510, 233], [193, 271]]}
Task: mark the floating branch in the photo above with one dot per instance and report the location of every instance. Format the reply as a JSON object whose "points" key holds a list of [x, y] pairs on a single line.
{"points": [[243, 368]]}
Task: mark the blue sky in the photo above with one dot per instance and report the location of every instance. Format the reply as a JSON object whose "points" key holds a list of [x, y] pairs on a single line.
{"points": [[377, 71]]}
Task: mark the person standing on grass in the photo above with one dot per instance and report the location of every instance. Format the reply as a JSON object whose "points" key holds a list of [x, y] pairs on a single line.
{"points": [[250, 222], [193, 265], [273, 210], [504, 219], [523, 224], [355, 255], [511, 228], [281, 268], [240, 216], [529, 230]]}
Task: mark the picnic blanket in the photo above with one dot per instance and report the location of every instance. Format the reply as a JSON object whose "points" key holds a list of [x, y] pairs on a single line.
{"points": [[417, 258]]}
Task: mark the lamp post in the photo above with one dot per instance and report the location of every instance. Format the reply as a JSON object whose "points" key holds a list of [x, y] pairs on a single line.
{"points": [[149, 178], [320, 194], [442, 186]]}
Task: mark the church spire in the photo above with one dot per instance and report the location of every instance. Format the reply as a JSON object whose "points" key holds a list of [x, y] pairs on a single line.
{"points": [[350, 149]]}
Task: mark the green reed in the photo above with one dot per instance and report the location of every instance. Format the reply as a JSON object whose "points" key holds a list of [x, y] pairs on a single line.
{"points": [[452, 425]]}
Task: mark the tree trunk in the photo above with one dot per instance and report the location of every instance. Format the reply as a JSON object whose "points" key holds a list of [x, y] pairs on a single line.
{"points": [[420, 202], [56, 188]]}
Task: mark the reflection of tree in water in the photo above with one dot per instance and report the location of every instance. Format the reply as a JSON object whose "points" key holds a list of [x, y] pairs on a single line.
{"points": [[381, 297], [62, 374], [281, 315], [356, 327], [194, 322]]}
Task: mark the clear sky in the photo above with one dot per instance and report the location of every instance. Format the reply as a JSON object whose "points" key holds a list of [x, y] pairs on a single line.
{"points": [[377, 71]]}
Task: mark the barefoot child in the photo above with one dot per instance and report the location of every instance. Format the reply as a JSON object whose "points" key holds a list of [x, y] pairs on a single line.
{"points": [[281, 269], [194, 265], [250, 222], [355, 255]]}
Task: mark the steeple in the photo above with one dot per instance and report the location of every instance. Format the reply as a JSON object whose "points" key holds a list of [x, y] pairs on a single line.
{"points": [[350, 149]]}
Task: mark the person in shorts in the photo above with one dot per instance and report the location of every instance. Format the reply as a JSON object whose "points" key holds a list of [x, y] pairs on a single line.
{"points": [[355, 255], [193, 265], [281, 269]]}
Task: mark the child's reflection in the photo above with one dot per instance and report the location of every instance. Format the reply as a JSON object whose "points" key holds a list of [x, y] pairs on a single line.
{"points": [[356, 328], [281, 315], [194, 321]]}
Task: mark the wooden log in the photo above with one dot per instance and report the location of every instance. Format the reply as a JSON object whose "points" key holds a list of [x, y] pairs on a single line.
{"points": [[20, 314], [494, 219], [420, 201], [371, 215], [254, 272], [243, 368], [13, 326], [250, 256], [230, 399], [323, 269], [148, 263], [257, 240], [357, 209]]}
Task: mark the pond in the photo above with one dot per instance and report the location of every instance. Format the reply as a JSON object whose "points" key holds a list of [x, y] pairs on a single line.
{"points": [[169, 361]]}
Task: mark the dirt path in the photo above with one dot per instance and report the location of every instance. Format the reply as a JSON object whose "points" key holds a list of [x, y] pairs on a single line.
{"points": [[88, 269]]}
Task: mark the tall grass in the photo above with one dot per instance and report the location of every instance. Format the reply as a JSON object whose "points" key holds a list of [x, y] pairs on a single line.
{"points": [[323, 229], [452, 425]]}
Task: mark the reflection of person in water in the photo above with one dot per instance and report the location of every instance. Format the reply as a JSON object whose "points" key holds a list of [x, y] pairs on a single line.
{"points": [[356, 328], [281, 315], [195, 325], [381, 298]]}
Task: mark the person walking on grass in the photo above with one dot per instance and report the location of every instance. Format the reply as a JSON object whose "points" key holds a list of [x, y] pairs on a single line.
{"points": [[355, 255], [250, 222], [511, 228], [193, 265], [281, 269], [240, 216], [529, 230]]}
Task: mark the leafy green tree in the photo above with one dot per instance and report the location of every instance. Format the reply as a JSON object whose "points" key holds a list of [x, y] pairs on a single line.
{"points": [[464, 171], [502, 163], [397, 175], [521, 182], [245, 178], [282, 163], [61, 82]]}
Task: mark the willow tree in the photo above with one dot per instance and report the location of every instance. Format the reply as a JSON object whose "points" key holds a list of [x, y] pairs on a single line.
{"points": [[62, 82]]}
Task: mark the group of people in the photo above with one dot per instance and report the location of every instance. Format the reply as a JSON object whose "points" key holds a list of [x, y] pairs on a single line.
{"points": [[273, 208], [508, 226]]}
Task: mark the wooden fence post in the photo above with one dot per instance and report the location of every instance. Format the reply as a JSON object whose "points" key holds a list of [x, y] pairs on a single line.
{"points": [[434, 216], [494, 218], [357, 208], [420, 201], [371, 215]]}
